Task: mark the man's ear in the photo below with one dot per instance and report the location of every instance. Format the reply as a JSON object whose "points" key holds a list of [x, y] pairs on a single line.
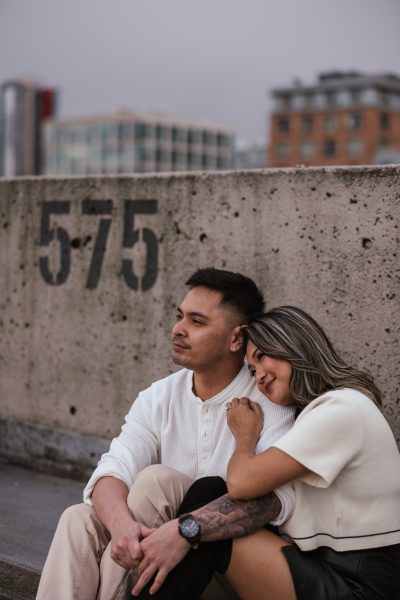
{"points": [[237, 342]]}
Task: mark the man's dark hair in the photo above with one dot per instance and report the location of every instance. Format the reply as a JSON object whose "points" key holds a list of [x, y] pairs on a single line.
{"points": [[238, 291]]}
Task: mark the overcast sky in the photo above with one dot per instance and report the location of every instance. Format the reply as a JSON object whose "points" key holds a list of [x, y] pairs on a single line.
{"points": [[212, 60]]}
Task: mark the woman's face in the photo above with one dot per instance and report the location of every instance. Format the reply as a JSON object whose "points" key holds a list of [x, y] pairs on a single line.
{"points": [[272, 375]]}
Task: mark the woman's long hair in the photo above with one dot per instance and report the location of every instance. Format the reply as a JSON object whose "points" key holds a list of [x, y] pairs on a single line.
{"points": [[290, 334]]}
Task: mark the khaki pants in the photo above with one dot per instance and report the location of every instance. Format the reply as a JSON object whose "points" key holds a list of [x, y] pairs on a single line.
{"points": [[79, 565]]}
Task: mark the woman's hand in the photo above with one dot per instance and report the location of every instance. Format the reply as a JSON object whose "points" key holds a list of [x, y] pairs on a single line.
{"points": [[245, 420]]}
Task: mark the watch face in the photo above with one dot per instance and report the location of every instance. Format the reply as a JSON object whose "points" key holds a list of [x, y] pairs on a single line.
{"points": [[189, 527]]}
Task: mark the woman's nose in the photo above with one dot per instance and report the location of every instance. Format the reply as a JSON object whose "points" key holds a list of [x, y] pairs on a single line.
{"points": [[260, 375]]}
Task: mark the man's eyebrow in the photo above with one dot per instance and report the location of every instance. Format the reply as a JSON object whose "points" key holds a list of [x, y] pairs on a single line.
{"points": [[196, 313]]}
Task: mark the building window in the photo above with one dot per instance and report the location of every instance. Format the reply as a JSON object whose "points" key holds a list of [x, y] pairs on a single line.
{"points": [[307, 149], [221, 162], [383, 144], [330, 122], [283, 125], [282, 151], [308, 100], [329, 148], [222, 140], [307, 123], [174, 134], [354, 147], [384, 97], [384, 121], [355, 96], [284, 102], [331, 98], [161, 132], [354, 120], [140, 131], [193, 136], [208, 138]]}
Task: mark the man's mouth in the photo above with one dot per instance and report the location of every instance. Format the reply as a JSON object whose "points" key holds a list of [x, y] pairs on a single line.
{"points": [[178, 346]]}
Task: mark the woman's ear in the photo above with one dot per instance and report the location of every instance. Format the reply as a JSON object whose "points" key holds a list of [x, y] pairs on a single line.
{"points": [[237, 342]]}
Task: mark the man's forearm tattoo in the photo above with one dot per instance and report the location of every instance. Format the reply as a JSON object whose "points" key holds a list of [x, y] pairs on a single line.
{"points": [[225, 518]]}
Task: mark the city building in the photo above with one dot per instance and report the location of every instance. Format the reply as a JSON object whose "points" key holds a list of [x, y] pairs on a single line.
{"points": [[24, 107], [347, 118], [129, 142], [250, 155]]}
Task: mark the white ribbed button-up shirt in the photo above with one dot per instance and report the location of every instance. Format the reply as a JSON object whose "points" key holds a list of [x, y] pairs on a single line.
{"points": [[169, 425]]}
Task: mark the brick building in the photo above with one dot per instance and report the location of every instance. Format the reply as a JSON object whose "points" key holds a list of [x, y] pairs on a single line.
{"points": [[345, 119]]}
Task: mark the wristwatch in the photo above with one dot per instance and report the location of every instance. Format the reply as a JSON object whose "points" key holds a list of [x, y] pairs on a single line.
{"points": [[189, 528]]}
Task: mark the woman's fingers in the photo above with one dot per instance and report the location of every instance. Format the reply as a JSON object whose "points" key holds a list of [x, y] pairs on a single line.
{"points": [[256, 407]]}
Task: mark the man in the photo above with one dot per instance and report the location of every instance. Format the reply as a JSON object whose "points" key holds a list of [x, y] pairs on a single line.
{"points": [[178, 422]]}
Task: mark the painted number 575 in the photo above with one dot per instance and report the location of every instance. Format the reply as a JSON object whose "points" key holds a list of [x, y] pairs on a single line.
{"points": [[51, 231]]}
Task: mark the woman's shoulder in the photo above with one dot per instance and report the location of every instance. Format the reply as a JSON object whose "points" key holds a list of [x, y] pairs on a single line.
{"points": [[347, 400]]}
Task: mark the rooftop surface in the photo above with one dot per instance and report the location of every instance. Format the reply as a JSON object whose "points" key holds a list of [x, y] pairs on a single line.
{"points": [[30, 505]]}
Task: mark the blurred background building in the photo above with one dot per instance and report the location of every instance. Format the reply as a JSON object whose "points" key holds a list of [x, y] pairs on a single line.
{"points": [[24, 107], [347, 118], [128, 142], [250, 155]]}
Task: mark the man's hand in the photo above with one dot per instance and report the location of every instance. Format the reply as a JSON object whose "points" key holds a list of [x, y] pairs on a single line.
{"points": [[126, 536], [162, 551]]}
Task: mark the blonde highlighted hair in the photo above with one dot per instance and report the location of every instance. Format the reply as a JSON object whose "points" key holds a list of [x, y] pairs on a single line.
{"points": [[291, 334]]}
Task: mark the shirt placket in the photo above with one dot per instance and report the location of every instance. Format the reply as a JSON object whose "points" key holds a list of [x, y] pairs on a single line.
{"points": [[205, 447]]}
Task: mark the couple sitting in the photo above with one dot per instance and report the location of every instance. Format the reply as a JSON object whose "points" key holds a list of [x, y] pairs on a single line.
{"points": [[330, 482]]}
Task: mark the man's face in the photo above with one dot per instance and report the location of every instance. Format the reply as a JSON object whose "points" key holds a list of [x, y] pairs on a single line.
{"points": [[203, 333]]}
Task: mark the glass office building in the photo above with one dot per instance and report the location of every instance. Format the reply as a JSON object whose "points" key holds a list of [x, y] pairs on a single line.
{"points": [[128, 142]]}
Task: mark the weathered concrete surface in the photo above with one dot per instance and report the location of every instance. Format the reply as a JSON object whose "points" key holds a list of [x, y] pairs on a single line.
{"points": [[30, 506], [67, 453], [73, 356]]}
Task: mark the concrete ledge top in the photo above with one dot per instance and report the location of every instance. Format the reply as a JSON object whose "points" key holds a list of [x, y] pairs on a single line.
{"points": [[355, 169]]}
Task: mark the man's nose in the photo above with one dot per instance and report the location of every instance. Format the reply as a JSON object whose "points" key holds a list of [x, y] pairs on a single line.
{"points": [[179, 328]]}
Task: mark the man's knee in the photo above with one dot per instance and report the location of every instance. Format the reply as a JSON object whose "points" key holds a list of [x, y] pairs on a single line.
{"points": [[156, 493], [77, 516]]}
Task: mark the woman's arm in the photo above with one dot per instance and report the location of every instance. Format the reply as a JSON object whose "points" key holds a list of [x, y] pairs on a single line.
{"points": [[251, 475]]}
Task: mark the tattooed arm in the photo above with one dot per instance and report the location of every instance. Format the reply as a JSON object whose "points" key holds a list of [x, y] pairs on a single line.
{"points": [[226, 518], [220, 519]]}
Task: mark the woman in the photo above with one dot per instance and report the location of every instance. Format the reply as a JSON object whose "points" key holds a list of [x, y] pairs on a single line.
{"points": [[344, 534], [342, 540]]}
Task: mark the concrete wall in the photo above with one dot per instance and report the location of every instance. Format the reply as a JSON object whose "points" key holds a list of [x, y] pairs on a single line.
{"points": [[91, 271]]}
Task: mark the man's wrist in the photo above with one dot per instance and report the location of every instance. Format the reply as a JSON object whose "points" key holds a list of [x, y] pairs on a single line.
{"points": [[120, 521]]}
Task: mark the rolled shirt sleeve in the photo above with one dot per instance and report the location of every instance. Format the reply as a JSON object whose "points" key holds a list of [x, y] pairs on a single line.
{"points": [[133, 450]]}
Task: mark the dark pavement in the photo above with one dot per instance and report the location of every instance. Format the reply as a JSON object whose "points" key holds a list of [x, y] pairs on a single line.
{"points": [[30, 505]]}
